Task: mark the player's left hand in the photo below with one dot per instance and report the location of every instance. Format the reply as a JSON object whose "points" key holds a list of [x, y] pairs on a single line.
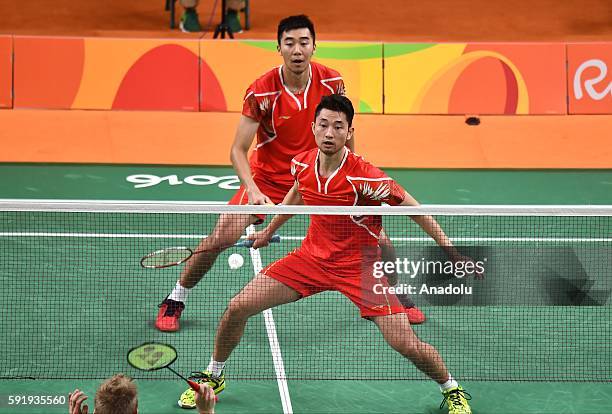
{"points": [[256, 197], [260, 239], [469, 263], [75, 399]]}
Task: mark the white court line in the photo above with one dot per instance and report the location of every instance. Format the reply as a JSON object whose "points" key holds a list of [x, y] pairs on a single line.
{"points": [[201, 236], [279, 366]]}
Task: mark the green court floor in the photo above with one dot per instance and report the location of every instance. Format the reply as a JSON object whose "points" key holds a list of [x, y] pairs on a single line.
{"points": [[118, 301], [345, 397], [77, 181]]}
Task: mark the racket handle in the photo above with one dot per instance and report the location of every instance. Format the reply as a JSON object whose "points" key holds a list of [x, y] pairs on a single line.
{"points": [[249, 243], [196, 387]]}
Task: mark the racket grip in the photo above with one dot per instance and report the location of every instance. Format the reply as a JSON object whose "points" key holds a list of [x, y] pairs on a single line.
{"points": [[249, 243], [196, 387]]}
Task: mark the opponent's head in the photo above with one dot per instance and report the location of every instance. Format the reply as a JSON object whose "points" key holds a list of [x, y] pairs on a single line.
{"points": [[117, 395], [296, 42], [333, 123]]}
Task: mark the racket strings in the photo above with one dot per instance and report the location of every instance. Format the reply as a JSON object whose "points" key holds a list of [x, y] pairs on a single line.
{"points": [[167, 257]]}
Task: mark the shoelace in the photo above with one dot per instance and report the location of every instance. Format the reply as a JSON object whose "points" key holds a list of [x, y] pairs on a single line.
{"points": [[199, 375], [455, 398]]}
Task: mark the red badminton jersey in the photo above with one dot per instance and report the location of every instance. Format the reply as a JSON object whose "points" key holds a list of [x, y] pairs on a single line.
{"points": [[343, 239], [284, 119]]}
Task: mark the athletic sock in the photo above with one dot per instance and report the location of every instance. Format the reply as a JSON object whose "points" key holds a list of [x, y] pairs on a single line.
{"points": [[448, 385], [215, 367], [179, 293]]}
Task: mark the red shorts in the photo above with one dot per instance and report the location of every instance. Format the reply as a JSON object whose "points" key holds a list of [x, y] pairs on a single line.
{"points": [[275, 191], [309, 276]]}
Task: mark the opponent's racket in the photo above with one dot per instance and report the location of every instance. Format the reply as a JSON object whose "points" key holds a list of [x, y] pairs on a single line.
{"points": [[152, 356], [173, 256]]}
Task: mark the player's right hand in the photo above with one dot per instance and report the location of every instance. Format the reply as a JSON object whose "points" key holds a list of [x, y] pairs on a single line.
{"points": [[205, 400], [260, 239], [256, 197]]}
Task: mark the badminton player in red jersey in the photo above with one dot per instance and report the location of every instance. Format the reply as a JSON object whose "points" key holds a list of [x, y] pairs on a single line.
{"points": [[335, 252], [277, 109]]}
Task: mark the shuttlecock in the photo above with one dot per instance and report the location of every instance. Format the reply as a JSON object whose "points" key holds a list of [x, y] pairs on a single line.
{"points": [[235, 261]]}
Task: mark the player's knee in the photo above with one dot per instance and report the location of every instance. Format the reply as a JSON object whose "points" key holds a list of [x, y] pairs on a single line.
{"points": [[216, 240], [238, 309], [220, 240]]}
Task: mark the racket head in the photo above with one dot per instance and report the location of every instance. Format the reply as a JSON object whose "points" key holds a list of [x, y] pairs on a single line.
{"points": [[151, 356], [170, 256]]}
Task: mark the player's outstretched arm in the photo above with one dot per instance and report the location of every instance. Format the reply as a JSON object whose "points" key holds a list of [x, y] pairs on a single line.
{"points": [[262, 237], [245, 133], [433, 228]]}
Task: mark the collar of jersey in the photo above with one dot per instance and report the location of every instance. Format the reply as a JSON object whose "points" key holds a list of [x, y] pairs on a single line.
{"points": [[328, 180], [305, 95]]}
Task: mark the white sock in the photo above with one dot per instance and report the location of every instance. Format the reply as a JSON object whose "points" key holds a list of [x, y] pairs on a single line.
{"points": [[448, 385], [179, 293], [215, 367]]}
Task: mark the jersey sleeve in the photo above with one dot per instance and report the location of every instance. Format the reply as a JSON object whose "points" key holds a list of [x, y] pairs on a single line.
{"points": [[379, 187], [297, 166], [341, 88], [333, 80], [250, 106], [338, 85]]}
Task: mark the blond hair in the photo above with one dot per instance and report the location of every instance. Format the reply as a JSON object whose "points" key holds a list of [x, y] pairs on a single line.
{"points": [[116, 395]]}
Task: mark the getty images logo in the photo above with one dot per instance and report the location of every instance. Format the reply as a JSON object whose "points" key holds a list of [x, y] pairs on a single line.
{"points": [[590, 83]]}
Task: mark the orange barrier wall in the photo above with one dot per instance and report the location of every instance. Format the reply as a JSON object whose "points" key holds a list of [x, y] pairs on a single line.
{"points": [[6, 72], [401, 141], [590, 78], [99, 73], [148, 74], [477, 78], [212, 75]]}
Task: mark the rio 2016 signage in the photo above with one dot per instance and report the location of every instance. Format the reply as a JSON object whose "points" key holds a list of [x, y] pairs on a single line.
{"points": [[225, 182], [589, 84], [589, 81]]}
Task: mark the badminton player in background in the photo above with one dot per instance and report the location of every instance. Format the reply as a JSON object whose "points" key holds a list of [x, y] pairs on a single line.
{"points": [[278, 109], [335, 253]]}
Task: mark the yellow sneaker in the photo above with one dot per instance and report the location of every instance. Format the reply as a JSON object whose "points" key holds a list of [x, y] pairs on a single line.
{"points": [[187, 399], [457, 400]]}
